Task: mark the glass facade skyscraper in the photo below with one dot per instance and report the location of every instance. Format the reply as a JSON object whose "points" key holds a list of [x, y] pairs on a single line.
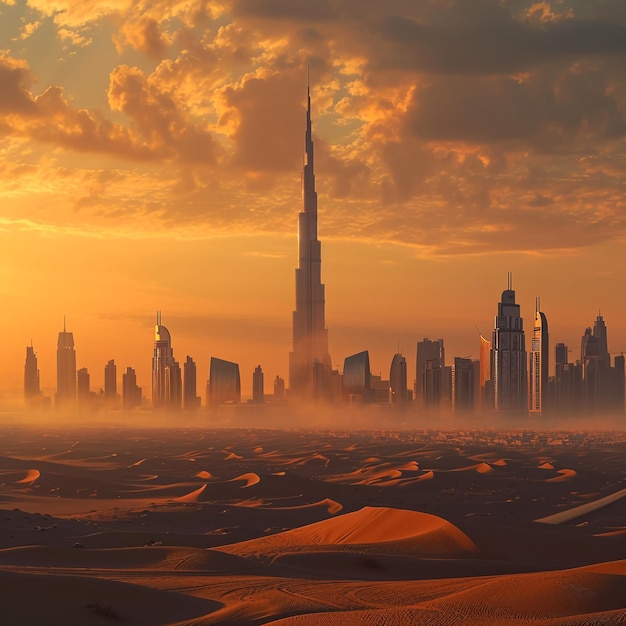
{"points": [[508, 355]]}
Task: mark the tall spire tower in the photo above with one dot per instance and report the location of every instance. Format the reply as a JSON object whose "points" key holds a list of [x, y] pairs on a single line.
{"points": [[309, 361]]}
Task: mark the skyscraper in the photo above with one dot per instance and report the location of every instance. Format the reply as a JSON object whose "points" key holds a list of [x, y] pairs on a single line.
{"points": [[398, 390], [258, 390], [83, 382], [538, 364], [110, 381], [428, 384], [309, 361], [162, 359], [279, 388], [191, 400], [224, 384], [508, 355], [31, 375], [485, 385], [463, 384], [66, 368], [357, 377], [131, 393], [599, 331], [597, 374]]}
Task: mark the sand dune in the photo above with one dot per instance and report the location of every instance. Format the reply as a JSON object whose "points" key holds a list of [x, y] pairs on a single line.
{"points": [[563, 475], [382, 529], [196, 526], [81, 601], [250, 479], [574, 513]]}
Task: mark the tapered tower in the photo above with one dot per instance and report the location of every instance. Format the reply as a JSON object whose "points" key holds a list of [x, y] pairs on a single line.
{"points": [[309, 361]]}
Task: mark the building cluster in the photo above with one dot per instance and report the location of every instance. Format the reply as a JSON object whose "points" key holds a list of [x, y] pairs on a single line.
{"points": [[505, 378]]}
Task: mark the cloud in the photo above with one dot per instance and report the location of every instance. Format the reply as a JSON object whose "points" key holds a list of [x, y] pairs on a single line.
{"points": [[446, 126], [269, 123], [15, 83], [144, 35]]}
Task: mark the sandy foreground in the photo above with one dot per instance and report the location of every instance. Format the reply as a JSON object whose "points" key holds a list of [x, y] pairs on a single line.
{"points": [[197, 526]]}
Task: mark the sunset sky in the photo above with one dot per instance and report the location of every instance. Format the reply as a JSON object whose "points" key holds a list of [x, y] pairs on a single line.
{"points": [[151, 154]]}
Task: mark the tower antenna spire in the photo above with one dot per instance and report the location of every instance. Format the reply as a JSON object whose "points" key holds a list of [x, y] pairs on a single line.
{"points": [[510, 281], [64, 323]]}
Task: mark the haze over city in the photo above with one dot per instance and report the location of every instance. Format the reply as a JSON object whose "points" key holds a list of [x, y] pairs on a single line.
{"points": [[407, 218], [151, 157]]}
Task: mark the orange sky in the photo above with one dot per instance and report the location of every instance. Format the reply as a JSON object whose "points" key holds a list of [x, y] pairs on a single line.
{"points": [[151, 158]]}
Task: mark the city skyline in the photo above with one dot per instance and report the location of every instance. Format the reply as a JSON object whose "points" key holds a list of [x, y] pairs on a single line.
{"points": [[182, 131]]}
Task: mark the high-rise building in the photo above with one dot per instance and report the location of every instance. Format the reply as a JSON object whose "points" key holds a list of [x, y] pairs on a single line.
{"points": [[279, 388], [398, 389], [131, 393], [428, 384], [598, 377], [224, 384], [619, 382], [31, 375], [309, 361], [486, 390], [599, 331], [567, 382], [357, 377], [83, 385], [173, 386], [164, 391], [110, 381], [538, 364], [508, 355], [463, 384], [191, 400], [258, 389], [66, 368]]}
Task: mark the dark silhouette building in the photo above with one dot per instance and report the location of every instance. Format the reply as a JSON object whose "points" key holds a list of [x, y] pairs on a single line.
{"points": [[258, 389], [191, 399], [464, 385], [357, 378], [508, 356], [83, 384], [31, 375], [602, 388], [110, 383], [173, 386], [224, 384], [279, 388], [309, 362], [66, 368], [398, 387], [131, 393], [428, 384], [567, 383]]}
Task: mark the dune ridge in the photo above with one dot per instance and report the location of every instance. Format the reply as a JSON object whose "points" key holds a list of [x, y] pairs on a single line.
{"points": [[250, 526]]}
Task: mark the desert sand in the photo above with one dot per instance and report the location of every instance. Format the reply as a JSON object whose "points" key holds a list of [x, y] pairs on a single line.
{"points": [[194, 525]]}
